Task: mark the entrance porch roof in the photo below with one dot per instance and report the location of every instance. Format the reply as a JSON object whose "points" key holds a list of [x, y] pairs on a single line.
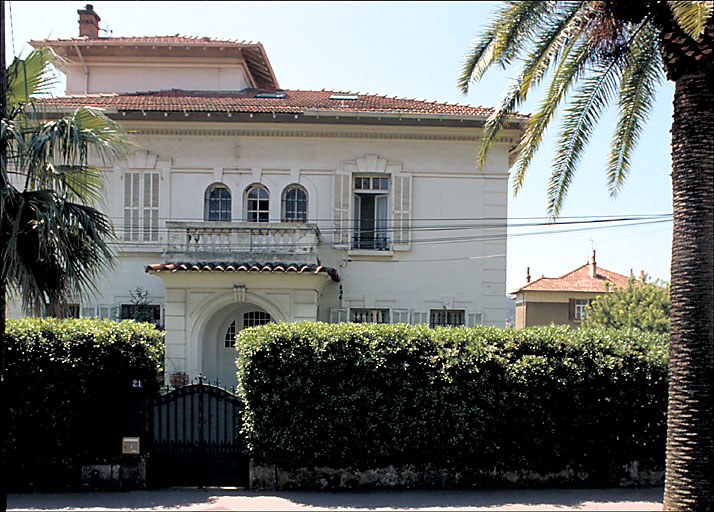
{"points": [[299, 268]]}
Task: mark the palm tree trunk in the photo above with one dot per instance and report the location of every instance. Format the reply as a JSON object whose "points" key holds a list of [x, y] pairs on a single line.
{"points": [[689, 480]]}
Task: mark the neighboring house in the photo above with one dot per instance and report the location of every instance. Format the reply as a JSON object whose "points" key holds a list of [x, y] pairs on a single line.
{"points": [[247, 203], [562, 300]]}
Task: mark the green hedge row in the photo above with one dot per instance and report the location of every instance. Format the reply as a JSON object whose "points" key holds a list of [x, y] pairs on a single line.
{"points": [[368, 395], [73, 385]]}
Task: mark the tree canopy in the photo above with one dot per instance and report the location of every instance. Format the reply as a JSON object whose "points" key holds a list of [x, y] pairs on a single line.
{"points": [[640, 304]]}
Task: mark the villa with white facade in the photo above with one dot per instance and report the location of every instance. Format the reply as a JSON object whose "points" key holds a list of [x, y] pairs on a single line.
{"points": [[245, 203]]}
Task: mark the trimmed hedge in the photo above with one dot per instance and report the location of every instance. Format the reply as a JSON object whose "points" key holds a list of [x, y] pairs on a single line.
{"points": [[369, 396], [72, 389]]}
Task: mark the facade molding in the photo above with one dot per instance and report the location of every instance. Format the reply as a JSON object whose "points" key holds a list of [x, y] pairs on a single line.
{"points": [[184, 132]]}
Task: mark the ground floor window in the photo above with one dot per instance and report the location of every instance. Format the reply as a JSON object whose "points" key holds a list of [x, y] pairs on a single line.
{"points": [[141, 313], [377, 316], [446, 317]]}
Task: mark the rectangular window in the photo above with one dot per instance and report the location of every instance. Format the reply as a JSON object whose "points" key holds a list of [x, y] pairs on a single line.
{"points": [[141, 313], [580, 309], [376, 316], [371, 213], [141, 206], [446, 317]]}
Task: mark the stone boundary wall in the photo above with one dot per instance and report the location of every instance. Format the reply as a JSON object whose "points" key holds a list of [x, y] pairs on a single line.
{"points": [[265, 477]]}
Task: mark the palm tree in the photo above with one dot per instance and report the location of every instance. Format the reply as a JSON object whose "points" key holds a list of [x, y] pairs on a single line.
{"points": [[53, 241], [618, 51]]}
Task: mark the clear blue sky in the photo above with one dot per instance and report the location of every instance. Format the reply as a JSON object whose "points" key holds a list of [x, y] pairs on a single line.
{"points": [[413, 50]]}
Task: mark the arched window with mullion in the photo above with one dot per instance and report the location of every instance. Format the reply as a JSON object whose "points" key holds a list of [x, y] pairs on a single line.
{"points": [[294, 204], [217, 204], [257, 204]]}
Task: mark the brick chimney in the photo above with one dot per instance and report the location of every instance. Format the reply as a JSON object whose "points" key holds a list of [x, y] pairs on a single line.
{"points": [[593, 266], [88, 22], [528, 274]]}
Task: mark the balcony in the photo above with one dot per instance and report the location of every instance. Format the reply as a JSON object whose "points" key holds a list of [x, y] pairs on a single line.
{"points": [[236, 241]]}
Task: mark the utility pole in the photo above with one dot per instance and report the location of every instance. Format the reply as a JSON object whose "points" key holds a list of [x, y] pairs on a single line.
{"points": [[4, 413]]}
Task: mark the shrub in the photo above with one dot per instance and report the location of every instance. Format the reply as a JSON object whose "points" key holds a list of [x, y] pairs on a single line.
{"points": [[72, 388], [369, 395]]}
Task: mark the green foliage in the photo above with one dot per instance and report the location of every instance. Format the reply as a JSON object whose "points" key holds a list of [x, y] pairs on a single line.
{"points": [[592, 55], [55, 241], [71, 387], [369, 395], [643, 306]]}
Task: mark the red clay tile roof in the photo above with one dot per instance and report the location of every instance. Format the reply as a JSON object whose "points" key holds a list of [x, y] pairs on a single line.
{"points": [[143, 40], [578, 280], [299, 268], [294, 102]]}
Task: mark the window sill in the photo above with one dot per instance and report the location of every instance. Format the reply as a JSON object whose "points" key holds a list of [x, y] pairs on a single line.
{"points": [[370, 253]]}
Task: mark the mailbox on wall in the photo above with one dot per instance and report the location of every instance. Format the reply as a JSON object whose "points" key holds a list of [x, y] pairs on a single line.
{"points": [[130, 445]]}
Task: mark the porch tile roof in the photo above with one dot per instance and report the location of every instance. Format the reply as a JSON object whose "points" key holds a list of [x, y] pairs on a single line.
{"points": [[299, 268], [247, 101], [578, 280]]}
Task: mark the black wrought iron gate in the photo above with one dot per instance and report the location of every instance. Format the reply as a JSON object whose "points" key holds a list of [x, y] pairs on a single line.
{"points": [[194, 438]]}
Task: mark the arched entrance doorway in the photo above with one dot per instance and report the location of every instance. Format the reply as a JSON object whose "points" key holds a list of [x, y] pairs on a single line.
{"points": [[219, 354]]}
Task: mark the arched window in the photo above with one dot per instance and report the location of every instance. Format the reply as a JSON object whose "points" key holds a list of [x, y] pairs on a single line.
{"points": [[294, 204], [257, 203], [217, 203], [230, 338]]}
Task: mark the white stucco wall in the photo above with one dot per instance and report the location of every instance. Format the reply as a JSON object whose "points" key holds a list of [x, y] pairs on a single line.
{"points": [[468, 273], [105, 77]]}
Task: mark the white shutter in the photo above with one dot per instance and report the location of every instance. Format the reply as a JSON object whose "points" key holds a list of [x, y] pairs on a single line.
{"points": [[89, 311], [131, 206], [402, 212], [420, 317], [474, 319], [151, 206], [341, 210], [400, 316], [338, 315]]}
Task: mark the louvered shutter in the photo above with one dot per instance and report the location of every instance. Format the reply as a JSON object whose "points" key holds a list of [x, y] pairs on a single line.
{"points": [[474, 319], [402, 212], [571, 309], [419, 317], [341, 210], [131, 206], [400, 316], [151, 206], [105, 311], [338, 315]]}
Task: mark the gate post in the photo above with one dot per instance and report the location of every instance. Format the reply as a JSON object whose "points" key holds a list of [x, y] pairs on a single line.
{"points": [[201, 441]]}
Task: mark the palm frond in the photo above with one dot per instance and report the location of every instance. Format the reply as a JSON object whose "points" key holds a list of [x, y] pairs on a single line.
{"points": [[30, 77], [640, 79], [571, 67], [503, 39], [595, 93], [60, 150], [555, 33], [692, 15], [57, 248]]}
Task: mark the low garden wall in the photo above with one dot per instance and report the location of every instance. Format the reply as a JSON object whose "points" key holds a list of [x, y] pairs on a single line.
{"points": [[332, 406]]}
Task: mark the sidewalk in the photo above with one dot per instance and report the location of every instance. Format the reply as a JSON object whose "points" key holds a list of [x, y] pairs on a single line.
{"points": [[237, 499]]}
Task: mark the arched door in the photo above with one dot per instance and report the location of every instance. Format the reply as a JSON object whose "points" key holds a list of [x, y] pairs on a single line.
{"points": [[219, 360]]}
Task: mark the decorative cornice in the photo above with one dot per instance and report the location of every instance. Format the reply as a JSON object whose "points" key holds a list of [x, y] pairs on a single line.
{"points": [[184, 132]]}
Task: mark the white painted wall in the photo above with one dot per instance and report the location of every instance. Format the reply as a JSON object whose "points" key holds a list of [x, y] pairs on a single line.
{"points": [[155, 76]]}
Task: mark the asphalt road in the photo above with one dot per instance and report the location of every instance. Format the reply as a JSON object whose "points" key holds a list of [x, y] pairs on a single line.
{"points": [[238, 499]]}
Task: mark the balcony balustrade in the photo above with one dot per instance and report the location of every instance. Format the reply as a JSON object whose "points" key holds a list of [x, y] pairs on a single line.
{"points": [[233, 241]]}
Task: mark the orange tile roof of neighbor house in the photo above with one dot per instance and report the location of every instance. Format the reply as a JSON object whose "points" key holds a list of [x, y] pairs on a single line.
{"points": [[579, 280]]}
